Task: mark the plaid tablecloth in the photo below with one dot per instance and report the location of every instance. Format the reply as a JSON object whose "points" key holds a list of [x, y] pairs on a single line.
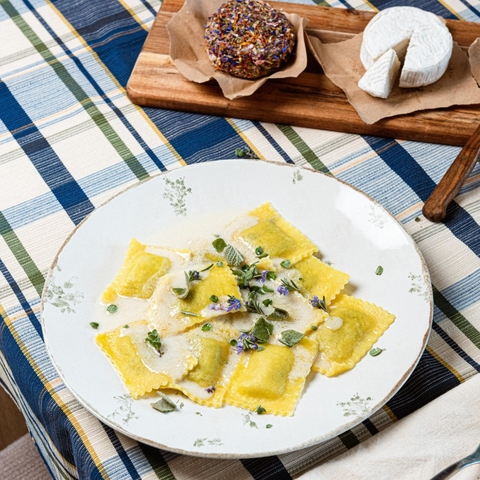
{"points": [[70, 139]]}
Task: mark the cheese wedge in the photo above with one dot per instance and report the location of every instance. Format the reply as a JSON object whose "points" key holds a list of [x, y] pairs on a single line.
{"points": [[379, 78]]}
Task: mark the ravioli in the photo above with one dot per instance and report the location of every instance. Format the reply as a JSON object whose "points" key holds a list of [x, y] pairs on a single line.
{"points": [[341, 349], [171, 314], [272, 378], [276, 236], [206, 382], [141, 271], [122, 353], [320, 279]]}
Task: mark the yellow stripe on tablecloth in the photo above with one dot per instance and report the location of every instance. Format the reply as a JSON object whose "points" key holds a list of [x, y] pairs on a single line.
{"points": [[390, 413], [245, 138], [450, 9], [54, 394], [444, 363], [133, 14], [115, 81]]}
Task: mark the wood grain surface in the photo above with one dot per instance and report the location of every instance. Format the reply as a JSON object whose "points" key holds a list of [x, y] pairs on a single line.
{"points": [[310, 100]]}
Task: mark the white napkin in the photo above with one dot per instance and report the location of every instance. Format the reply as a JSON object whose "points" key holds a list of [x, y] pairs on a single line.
{"points": [[418, 446]]}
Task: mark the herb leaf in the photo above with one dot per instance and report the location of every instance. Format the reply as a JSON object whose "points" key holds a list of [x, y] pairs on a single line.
{"points": [[290, 337], [285, 264], [233, 256], [154, 340], [183, 292], [259, 410], [94, 325], [262, 330], [375, 351], [379, 270], [258, 251], [290, 284], [219, 244], [278, 314], [207, 327], [214, 299], [208, 268], [112, 308], [268, 302], [189, 313], [165, 404], [271, 275]]}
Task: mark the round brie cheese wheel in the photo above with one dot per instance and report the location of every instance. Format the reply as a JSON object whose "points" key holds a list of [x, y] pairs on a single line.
{"points": [[419, 38]]}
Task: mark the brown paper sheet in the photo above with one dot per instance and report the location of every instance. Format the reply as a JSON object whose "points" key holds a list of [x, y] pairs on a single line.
{"points": [[342, 65], [187, 49], [474, 57]]}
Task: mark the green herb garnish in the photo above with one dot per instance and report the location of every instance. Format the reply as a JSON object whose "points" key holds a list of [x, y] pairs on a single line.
{"points": [[268, 302], [233, 256], [290, 337], [154, 340], [112, 308], [126, 326], [220, 263], [268, 425], [259, 349], [258, 251], [207, 327], [189, 313], [266, 289], [313, 327], [259, 410], [233, 343], [214, 299], [253, 306], [290, 284], [262, 330], [375, 351], [165, 405], [208, 268], [219, 244], [271, 276], [417, 219], [278, 314], [183, 292], [379, 270], [285, 264], [94, 325]]}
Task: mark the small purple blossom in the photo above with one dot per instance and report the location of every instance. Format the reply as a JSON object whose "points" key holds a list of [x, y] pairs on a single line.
{"points": [[264, 276], [234, 304], [317, 303], [210, 389], [283, 290], [245, 342], [314, 301]]}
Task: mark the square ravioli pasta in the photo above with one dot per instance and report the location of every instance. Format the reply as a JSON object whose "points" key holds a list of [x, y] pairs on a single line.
{"points": [[348, 334], [264, 227], [206, 382], [172, 314], [142, 268], [272, 378]]}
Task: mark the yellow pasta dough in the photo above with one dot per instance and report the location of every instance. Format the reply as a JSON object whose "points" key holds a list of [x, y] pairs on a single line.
{"points": [[320, 279], [166, 310], [362, 324], [206, 382], [122, 353], [139, 274], [272, 378], [277, 237]]}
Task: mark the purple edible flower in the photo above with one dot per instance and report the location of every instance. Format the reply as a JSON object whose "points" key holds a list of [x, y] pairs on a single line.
{"points": [[283, 290], [245, 342], [264, 276], [314, 301], [234, 304], [210, 389]]}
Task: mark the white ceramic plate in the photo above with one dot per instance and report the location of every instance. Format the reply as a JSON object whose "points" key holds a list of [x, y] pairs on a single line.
{"points": [[350, 229]]}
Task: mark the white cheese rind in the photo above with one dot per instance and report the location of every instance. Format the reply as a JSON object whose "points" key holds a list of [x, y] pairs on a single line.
{"points": [[379, 78], [429, 42]]}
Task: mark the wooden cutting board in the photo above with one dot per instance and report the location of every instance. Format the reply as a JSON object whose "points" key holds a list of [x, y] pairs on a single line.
{"points": [[310, 100]]}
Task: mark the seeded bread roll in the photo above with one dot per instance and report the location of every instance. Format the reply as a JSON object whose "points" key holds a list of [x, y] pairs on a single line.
{"points": [[248, 39]]}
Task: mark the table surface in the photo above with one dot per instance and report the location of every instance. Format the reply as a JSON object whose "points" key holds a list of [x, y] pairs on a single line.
{"points": [[70, 139]]}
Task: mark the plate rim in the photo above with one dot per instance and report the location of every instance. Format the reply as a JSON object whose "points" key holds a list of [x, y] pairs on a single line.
{"points": [[224, 456]]}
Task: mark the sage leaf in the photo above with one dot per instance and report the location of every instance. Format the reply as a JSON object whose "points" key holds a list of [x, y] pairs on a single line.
{"points": [[262, 330], [290, 337], [278, 314], [233, 256], [375, 351], [165, 404], [183, 292]]}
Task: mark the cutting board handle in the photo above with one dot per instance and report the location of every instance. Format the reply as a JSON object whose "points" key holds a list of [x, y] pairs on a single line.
{"points": [[435, 208]]}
